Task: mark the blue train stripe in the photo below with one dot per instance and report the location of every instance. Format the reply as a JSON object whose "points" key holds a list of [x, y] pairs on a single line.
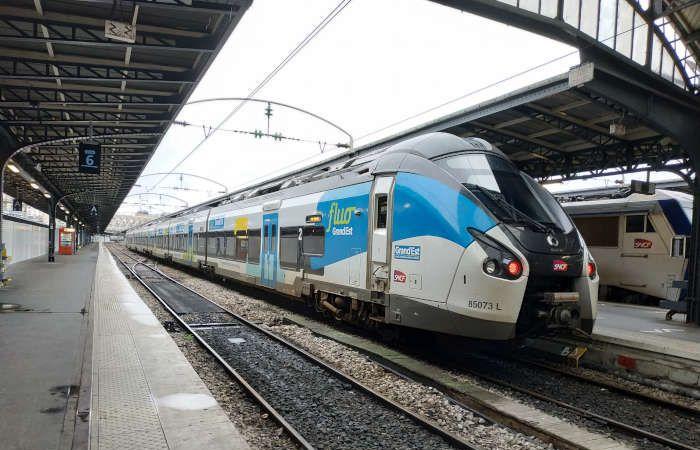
{"points": [[676, 216], [426, 207]]}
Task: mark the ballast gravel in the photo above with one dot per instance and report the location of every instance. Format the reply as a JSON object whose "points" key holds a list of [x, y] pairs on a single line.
{"points": [[328, 412], [417, 397]]}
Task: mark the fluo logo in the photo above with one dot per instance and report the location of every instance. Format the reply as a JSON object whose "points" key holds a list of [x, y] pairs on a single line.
{"points": [[338, 218]]}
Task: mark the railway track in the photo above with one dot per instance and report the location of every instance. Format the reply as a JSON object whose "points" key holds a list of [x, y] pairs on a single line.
{"points": [[657, 435], [318, 406]]}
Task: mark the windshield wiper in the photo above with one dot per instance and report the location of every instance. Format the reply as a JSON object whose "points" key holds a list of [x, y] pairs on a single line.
{"points": [[512, 210]]}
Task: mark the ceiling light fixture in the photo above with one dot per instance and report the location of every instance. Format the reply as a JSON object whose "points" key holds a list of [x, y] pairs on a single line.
{"points": [[34, 185], [13, 168]]}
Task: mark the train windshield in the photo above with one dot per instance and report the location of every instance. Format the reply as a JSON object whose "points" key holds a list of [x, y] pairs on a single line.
{"points": [[512, 196]]}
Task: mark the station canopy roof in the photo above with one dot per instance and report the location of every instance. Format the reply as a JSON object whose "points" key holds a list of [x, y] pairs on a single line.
{"points": [[63, 81]]}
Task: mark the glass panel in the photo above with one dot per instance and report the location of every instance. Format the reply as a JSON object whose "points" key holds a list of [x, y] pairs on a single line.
{"points": [[655, 54], [589, 17], [254, 246], [635, 224], [625, 17], [650, 227], [314, 241], [549, 8], [530, 5], [606, 28], [667, 65], [639, 47], [571, 12], [678, 78]]}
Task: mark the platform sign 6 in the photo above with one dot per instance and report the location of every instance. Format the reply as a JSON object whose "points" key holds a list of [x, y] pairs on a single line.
{"points": [[89, 158]]}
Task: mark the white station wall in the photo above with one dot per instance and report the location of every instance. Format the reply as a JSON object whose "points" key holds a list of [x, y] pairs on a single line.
{"points": [[24, 241]]}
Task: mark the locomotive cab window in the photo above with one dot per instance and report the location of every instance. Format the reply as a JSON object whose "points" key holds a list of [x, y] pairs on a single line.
{"points": [[638, 223]]}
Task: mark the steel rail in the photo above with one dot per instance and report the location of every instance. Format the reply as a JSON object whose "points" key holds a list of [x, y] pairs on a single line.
{"points": [[424, 422], [612, 386], [583, 412], [293, 433]]}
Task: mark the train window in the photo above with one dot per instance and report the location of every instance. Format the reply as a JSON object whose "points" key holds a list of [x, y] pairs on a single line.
{"points": [[650, 227], [599, 231], [230, 247], [382, 209], [254, 246], [313, 241], [635, 223], [289, 247], [241, 245], [678, 244]]}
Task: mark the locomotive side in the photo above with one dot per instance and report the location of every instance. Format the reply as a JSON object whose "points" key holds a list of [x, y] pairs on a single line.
{"points": [[438, 233], [639, 242]]}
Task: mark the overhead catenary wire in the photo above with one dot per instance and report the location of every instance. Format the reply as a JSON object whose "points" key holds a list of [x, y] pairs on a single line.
{"points": [[494, 84], [299, 47]]}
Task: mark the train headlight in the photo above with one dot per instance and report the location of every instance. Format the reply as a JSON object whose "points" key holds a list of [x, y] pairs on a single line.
{"points": [[491, 266], [591, 269], [514, 268]]}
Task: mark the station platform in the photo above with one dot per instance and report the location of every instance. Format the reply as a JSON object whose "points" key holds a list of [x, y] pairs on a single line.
{"points": [[88, 365], [646, 328]]}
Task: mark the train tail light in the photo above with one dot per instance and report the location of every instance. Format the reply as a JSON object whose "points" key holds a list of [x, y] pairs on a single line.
{"points": [[514, 268], [591, 269]]}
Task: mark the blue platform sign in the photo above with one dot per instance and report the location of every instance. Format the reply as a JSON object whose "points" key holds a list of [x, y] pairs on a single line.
{"points": [[89, 157]]}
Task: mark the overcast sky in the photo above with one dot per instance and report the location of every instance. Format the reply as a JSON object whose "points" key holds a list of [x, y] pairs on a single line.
{"points": [[378, 62]]}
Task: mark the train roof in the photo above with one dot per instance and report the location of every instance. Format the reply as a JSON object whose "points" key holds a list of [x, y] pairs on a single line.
{"points": [[429, 145], [624, 204]]}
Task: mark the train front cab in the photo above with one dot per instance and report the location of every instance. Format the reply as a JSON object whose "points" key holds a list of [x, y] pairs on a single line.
{"points": [[439, 237]]}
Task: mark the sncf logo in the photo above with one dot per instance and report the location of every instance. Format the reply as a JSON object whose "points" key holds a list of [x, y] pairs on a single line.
{"points": [[559, 265], [642, 243], [399, 276]]}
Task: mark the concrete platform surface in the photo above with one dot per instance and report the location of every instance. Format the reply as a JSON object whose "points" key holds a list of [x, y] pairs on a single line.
{"points": [[145, 394], [40, 349], [646, 328]]}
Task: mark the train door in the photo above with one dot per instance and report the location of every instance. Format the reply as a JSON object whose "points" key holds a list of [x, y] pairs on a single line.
{"points": [[190, 242], [268, 263], [380, 236]]}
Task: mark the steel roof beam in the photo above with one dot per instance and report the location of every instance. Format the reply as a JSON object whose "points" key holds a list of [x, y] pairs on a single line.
{"points": [[15, 68], [72, 34]]}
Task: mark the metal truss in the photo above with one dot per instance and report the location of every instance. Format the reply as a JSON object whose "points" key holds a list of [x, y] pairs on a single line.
{"points": [[23, 29], [38, 96], [617, 158], [20, 69]]}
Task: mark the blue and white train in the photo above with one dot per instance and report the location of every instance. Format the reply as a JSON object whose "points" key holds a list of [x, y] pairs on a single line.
{"points": [[437, 232]]}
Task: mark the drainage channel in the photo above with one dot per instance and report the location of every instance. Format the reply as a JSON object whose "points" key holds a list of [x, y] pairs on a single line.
{"points": [[317, 405]]}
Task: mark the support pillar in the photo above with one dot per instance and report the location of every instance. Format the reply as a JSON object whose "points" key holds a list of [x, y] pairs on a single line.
{"points": [[693, 298], [52, 231]]}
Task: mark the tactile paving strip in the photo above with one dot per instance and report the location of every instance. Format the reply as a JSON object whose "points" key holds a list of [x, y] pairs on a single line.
{"points": [[124, 415]]}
